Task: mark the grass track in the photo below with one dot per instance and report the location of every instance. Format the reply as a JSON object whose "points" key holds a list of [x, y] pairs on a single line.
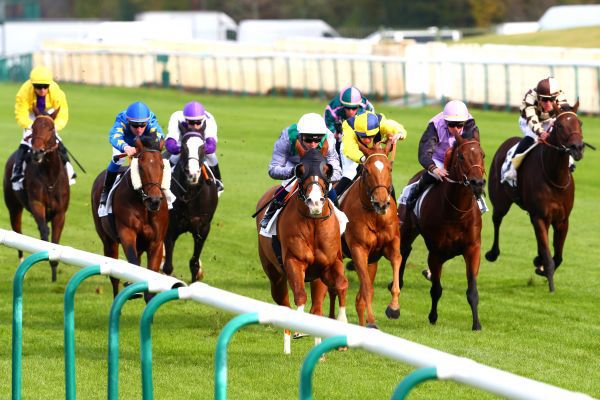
{"points": [[526, 330]]}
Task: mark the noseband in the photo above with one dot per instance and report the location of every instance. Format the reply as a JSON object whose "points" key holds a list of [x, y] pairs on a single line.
{"points": [[561, 147]]}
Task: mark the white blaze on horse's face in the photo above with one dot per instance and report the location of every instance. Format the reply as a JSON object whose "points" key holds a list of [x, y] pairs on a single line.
{"points": [[193, 145], [379, 165], [315, 199]]}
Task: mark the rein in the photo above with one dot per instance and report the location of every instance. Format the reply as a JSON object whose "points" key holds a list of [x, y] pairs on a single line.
{"points": [[464, 181]]}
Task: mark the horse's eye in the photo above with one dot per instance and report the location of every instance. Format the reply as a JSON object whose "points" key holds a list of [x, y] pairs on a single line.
{"points": [[461, 157]]}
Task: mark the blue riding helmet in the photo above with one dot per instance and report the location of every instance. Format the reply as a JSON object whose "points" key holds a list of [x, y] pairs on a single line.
{"points": [[138, 112]]}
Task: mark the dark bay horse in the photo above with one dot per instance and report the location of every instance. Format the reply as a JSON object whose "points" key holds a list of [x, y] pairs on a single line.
{"points": [[450, 222], [373, 230], [309, 233], [46, 186], [545, 189], [140, 215], [196, 202]]}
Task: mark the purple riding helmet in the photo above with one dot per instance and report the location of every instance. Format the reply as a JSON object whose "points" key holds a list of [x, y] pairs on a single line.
{"points": [[195, 111]]}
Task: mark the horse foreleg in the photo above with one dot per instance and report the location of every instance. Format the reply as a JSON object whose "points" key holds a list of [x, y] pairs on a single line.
{"points": [[435, 266], [541, 234], [472, 260], [15, 210], [154, 255], [195, 262], [111, 249], [392, 253], [560, 235], [359, 257], [294, 270], [494, 252], [169, 248], [318, 291], [38, 210], [58, 223], [340, 284]]}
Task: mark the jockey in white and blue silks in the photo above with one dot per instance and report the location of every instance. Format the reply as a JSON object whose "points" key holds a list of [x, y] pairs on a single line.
{"points": [[195, 116], [437, 139], [312, 133], [137, 120]]}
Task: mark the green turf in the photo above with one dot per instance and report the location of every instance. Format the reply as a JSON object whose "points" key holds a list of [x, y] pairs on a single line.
{"points": [[586, 37], [526, 330]]}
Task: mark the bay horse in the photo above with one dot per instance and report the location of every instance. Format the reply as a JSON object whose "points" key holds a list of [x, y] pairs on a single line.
{"points": [[46, 189], [373, 230], [449, 222], [309, 235], [545, 189], [197, 199], [140, 215]]}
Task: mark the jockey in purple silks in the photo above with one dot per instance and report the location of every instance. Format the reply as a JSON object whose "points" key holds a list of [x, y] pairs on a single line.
{"points": [[437, 139], [195, 116]]}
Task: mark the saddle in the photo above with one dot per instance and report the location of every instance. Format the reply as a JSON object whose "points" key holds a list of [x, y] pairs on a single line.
{"points": [[516, 162]]}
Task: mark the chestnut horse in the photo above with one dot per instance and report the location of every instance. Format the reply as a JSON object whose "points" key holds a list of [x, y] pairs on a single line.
{"points": [[140, 216], [373, 230], [196, 202], [309, 233], [450, 222], [545, 189], [46, 186]]}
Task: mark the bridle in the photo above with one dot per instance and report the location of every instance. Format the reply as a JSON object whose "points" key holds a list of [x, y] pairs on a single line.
{"points": [[141, 190], [561, 147], [45, 150], [188, 135], [464, 178], [303, 189], [369, 190]]}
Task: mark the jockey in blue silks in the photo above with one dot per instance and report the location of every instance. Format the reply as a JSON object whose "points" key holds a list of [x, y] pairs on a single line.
{"points": [[137, 120]]}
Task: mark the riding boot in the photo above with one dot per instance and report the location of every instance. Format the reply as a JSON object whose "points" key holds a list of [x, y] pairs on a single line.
{"points": [[218, 181], [342, 186], [419, 188], [17, 172], [524, 144], [109, 180], [510, 175], [275, 205]]}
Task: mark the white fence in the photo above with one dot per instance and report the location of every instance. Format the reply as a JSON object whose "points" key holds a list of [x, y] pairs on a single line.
{"points": [[448, 366]]}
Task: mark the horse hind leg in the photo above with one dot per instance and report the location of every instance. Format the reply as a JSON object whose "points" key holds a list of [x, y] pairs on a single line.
{"points": [[435, 267], [560, 235], [195, 262], [15, 210], [494, 252], [547, 268]]}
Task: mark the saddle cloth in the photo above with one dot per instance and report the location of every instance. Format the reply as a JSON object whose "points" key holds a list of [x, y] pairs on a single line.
{"points": [[271, 229], [406, 193], [103, 211], [515, 161]]}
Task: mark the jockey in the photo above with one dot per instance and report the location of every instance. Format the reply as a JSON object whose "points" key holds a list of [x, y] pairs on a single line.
{"points": [[437, 139], [42, 92], [129, 124], [369, 129], [312, 133], [346, 104], [537, 117], [194, 115]]}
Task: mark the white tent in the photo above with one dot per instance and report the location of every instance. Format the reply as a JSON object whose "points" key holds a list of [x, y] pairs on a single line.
{"points": [[563, 17], [209, 25], [271, 30]]}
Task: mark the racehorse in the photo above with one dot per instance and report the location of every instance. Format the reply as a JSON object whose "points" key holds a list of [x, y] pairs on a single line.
{"points": [[545, 189], [140, 215], [449, 221], [46, 185], [308, 232], [196, 202], [373, 230]]}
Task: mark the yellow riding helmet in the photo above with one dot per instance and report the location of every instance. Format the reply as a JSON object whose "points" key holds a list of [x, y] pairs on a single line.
{"points": [[41, 75], [365, 124]]}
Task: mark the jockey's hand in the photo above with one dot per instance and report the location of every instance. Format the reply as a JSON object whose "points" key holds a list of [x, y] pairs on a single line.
{"points": [[439, 173], [399, 136], [130, 151], [544, 136]]}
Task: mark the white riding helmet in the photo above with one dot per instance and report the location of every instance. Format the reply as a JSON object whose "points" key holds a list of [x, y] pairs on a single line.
{"points": [[456, 111], [312, 124]]}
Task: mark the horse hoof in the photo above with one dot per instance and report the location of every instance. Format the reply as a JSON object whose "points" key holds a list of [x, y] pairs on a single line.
{"points": [[372, 326], [432, 319], [490, 256], [350, 266], [476, 326], [427, 274], [391, 313]]}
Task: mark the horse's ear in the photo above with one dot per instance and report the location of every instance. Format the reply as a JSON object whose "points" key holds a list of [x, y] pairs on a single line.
{"points": [[161, 144], [458, 137], [364, 149], [556, 108], [325, 148], [55, 113], [182, 128], [328, 170], [299, 171], [576, 106], [36, 111], [299, 148], [138, 143]]}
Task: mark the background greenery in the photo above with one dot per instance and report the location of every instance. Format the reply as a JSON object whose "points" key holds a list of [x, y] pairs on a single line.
{"points": [[526, 330]]}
